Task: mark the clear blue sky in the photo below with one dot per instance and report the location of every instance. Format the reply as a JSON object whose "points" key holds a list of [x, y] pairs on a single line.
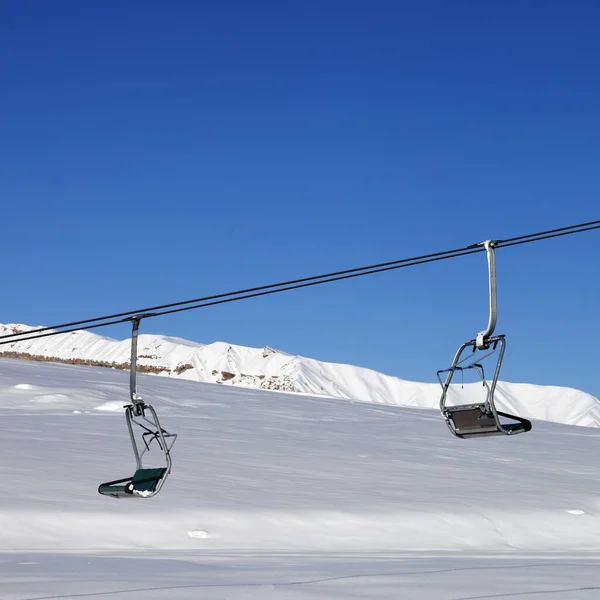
{"points": [[156, 151]]}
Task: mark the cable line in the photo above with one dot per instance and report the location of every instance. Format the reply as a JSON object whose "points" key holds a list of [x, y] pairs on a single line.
{"points": [[519, 241], [293, 284], [546, 234], [152, 309], [223, 299]]}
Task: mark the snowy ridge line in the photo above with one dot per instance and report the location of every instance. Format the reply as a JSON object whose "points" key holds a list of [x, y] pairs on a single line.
{"points": [[269, 369]]}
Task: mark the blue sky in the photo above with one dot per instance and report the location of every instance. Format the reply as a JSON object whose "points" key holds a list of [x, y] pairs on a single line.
{"points": [[156, 151]]}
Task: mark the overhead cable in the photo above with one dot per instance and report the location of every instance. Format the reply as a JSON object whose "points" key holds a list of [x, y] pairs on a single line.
{"points": [[293, 284]]}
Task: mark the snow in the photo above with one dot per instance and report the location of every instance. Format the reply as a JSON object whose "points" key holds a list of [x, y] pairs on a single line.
{"points": [[271, 369], [278, 495]]}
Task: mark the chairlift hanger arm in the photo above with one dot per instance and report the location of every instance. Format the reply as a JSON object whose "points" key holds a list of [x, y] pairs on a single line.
{"points": [[136, 400], [135, 327], [482, 339]]}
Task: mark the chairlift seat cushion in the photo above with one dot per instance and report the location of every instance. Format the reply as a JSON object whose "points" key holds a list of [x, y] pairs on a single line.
{"points": [[472, 419]]}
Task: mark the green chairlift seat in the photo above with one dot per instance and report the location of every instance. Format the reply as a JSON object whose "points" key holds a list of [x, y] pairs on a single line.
{"points": [[143, 483]]}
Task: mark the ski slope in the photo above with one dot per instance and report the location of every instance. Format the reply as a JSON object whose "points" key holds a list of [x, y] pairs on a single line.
{"points": [[278, 495]]}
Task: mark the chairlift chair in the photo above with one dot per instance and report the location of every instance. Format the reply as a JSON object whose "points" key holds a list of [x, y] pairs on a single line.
{"points": [[480, 419], [145, 482]]}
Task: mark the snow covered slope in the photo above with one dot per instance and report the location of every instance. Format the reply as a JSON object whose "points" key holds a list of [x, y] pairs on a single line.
{"points": [[264, 470], [270, 369], [275, 496]]}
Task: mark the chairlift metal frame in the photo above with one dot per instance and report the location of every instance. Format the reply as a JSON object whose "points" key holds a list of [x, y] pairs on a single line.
{"points": [[481, 419], [145, 483]]}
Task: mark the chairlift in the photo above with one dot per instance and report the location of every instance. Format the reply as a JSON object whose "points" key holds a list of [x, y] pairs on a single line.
{"points": [[145, 482], [480, 419]]}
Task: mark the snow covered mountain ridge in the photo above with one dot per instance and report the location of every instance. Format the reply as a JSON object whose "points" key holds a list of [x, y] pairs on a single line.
{"points": [[270, 369]]}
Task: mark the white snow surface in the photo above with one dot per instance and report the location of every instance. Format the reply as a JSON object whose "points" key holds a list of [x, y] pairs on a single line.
{"points": [[267, 368], [280, 496]]}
